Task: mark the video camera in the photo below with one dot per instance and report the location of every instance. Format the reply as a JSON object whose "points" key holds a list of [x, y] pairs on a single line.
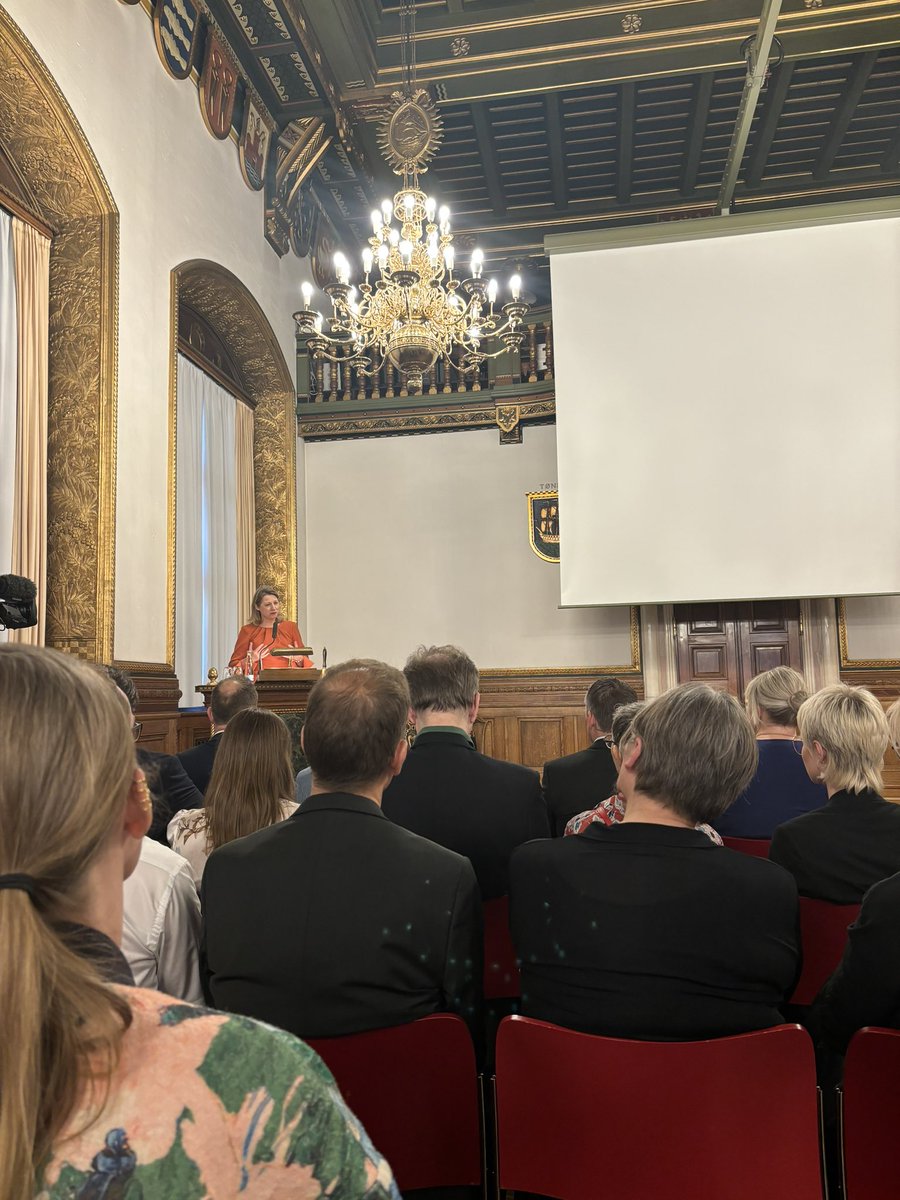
{"points": [[18, 602]]}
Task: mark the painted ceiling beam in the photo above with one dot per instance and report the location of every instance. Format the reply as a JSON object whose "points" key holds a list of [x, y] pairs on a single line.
{"points": [[697, 125], [554, 123], [757, 70], [626, 142], [844, 114], [488, 158], [768, 123]]}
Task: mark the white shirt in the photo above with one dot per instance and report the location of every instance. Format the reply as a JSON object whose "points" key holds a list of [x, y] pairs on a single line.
{"points": [[161, 929]]}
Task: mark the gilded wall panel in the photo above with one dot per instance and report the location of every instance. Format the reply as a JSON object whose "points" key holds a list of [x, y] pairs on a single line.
{"points": [[43, 139]]}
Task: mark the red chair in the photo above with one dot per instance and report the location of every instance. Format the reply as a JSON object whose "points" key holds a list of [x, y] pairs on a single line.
{"points": [[501, 971], [416, 1091], [870, 1116], [823, 936], [582, 1117], [758, 847]]}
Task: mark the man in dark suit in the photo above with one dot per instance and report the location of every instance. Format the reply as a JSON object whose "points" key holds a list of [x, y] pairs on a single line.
{"points": [[447, 791], [580, 781], [337, 920], [227, 699], [170, 788], [647, 929]]}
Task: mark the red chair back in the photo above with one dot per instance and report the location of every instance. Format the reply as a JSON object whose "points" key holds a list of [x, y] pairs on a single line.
{"points": [[823, 936], [871, 1116], [416, 1091], [579, 1117], [501, 972], [758, 847]]}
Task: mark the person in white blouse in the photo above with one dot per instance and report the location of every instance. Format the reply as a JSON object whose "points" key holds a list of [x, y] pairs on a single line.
{"points": [[251, 787], [161, 925]]}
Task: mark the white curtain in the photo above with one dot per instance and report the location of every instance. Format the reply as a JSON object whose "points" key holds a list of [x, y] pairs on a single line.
{"points": [[8, 388], [206, 560]]}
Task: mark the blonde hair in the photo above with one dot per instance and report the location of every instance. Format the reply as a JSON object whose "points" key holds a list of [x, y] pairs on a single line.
{"points": [[66, 764], [776, 695], [258, 595], [850, 724], [252, 777], [893, 720]]}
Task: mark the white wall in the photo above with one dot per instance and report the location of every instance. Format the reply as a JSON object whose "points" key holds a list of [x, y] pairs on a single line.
{"points": [[180, 195], [425, 539], [873, 627]]}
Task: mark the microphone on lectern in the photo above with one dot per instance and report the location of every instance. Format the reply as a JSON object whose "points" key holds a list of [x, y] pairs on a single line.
{"points": [[324, 658], [275, 630]]}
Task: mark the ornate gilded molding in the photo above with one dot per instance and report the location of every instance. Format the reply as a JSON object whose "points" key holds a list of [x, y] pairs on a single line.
{"points": [[299, 147], [427, 418], [44, 139], [226, 304]]}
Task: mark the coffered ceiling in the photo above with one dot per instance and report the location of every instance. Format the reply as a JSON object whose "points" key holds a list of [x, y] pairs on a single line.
{"points": [[560, 114]]}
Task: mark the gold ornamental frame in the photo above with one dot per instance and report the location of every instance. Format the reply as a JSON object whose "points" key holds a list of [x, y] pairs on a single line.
{"points": [[67, 190], [852, 664], [230, 308]]}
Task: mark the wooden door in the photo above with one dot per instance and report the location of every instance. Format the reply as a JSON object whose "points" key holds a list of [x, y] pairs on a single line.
{"points": [[725, 645]]}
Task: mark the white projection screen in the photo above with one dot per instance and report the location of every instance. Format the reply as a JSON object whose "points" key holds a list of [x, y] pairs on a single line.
{"points": [[728, 415]]}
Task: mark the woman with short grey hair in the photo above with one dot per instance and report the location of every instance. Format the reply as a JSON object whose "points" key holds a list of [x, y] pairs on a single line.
{"points": [[781, 788]]}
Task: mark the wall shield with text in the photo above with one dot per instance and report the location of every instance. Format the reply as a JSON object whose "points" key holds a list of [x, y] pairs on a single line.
{"points": [[176, 27], [253, 150], [218, 86], [543, 524]]}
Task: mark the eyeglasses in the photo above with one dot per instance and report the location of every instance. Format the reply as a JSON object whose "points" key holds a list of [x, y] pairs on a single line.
{"points": [[609, 742], [797, 743], [136, 727]]}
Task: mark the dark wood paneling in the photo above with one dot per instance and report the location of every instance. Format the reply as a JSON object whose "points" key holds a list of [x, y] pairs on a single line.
{"points": [[725, 645]]}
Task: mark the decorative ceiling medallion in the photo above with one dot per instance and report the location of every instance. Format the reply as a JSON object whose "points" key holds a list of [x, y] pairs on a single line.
{"points": [[460, 47], [631, 22], [176, 25], [218, 87], [411, 132]]}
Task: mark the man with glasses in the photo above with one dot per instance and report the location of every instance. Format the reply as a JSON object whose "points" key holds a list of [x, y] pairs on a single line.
{"points": [[582, 780]]}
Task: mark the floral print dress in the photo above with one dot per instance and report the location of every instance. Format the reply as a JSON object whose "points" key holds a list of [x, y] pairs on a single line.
{"points": [[208, 1106]]}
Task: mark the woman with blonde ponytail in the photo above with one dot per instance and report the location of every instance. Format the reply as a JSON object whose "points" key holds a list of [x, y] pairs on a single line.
{"points": [[107, 1090], [781, 789]]}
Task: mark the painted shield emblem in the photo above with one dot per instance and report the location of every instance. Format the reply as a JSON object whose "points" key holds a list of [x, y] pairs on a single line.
{"points": [[253, 150], [176, 24], [543, 524], [218, 87]]}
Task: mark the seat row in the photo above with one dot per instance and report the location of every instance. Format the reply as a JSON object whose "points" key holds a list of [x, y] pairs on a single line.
{"points": [[579, 1117]]}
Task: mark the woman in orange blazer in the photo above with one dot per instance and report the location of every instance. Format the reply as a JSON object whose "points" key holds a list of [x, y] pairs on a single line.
{"points": [[267, 631]]}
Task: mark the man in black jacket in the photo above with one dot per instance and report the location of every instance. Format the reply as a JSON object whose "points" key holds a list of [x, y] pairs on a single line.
{"points": [[582, 780], [336, 920], [227, 699], [447, 791]]}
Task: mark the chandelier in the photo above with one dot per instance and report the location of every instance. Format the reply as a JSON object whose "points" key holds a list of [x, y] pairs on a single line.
{"points": [[412, 307]]}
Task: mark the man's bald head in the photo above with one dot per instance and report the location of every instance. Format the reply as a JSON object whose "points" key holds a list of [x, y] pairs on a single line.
{"points": [[229, 697]]}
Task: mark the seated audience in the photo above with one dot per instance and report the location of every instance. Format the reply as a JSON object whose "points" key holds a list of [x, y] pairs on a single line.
{"points": [[108, 1090], [580, 781], [251, 788], [227, 699], [302, 785], [161, 930], [170, 788], [865, 988], [646, 929], [447, 791], [612, 810], [337, 920], [781, 788], [839, 851]]}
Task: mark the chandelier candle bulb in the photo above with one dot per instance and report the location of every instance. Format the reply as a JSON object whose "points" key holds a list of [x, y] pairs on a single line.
{"points": [[515, 286], [492, 291], [383, 253], [430, 208], [448, 258], [406, 250], [368, 259], [388, 209], [394, 237], [306, 289], [376, 222]]}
